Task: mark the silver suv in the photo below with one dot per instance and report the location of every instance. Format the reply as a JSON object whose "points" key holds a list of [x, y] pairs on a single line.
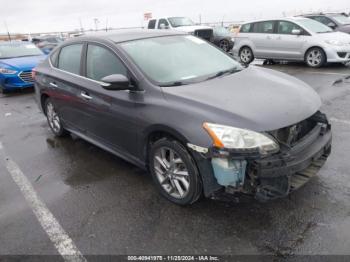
{"points": [[295, 39]]}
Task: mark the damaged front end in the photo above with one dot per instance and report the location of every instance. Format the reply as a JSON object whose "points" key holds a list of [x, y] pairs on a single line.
{"points": [[303, 150]]}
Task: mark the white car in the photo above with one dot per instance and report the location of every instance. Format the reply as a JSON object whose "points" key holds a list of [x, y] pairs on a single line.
{"points": [[295, 39], [183, 24]]}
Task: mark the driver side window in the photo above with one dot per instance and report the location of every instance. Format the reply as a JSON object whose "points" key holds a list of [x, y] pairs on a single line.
{"points": [[101, 62], [163, 21], [286, 28]]}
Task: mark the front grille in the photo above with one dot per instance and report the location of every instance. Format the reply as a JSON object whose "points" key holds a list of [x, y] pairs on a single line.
{"points": [[292, 134], [206, 34], [26, 76]]}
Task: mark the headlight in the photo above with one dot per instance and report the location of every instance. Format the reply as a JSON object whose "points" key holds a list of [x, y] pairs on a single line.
{"points": [[335, 42], [240, 139], [6, 71]]}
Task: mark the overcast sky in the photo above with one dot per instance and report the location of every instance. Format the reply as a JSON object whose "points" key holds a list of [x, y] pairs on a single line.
{"points": [[29, 16]]}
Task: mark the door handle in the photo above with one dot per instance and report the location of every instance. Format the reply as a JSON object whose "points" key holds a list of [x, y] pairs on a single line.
{"points": [[53, 84], [268, 37], [85, 96]]}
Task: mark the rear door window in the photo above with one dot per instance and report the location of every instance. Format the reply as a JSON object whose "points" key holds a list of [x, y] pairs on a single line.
{"points": [[152, 24], [101, 62], [70, 58], [266, 27]]}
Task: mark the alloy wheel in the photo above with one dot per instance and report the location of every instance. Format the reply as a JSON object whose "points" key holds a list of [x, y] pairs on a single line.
{"points": [[171, 172], [53, 118], [246, 55], [314, 57], [224, 45]]}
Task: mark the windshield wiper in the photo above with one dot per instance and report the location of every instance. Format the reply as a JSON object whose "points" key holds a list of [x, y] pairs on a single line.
{"points": [[224, 72], [176, 83]]}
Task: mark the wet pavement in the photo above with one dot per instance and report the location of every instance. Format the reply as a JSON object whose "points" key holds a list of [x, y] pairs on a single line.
{"points": [[108, 206]]}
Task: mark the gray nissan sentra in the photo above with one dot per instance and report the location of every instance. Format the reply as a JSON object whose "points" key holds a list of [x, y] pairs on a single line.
{"points": [[182, 109]]}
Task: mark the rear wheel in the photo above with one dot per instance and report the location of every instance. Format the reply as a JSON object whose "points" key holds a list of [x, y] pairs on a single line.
{"points": [[246, 55], [315, 57], [174, 172], [53, 119]]}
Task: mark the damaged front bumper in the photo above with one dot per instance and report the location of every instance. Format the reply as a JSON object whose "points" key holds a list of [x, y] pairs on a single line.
{"points": [[268, 177]]}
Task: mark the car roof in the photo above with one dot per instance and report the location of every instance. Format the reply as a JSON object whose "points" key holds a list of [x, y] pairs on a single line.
{"points": [[16, 42], [291, 19], [119, 36]]}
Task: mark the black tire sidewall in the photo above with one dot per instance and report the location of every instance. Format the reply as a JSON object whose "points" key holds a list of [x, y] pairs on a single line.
{"points": [[224, 41], [323, 57], [252, 55], [195, 190], [62, 131]]}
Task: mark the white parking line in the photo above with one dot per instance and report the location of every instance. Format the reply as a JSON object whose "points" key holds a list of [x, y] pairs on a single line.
{"points": [[333, 119], [63, 243]]}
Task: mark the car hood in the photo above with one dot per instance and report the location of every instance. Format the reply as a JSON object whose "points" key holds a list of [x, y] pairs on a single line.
{"points": [[23, 63], [192, 28], [258, 99], [340, 36]]}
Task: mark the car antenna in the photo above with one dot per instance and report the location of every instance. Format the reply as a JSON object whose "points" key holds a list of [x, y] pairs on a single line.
{"points": [[7, 29]]}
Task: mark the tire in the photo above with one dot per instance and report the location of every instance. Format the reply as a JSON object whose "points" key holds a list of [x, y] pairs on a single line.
{"points": [[53, 119], [246, 55], [3, 91], [174, 172], [315, 57], [224, 45]]}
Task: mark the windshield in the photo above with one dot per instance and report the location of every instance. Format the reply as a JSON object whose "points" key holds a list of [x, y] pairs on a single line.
{"points": [[221, 31], [12, 50], [178, 60], [180, 21], [341, 19], [314, 26]]}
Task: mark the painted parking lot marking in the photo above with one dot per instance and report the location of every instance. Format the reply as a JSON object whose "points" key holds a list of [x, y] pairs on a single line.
{"points": [[63, 243], [342, 121]]}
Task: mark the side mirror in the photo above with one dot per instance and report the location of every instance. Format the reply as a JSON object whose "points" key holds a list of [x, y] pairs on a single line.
{"points": [[332, 25], [296, 32], [116, 82], [163, 26]]}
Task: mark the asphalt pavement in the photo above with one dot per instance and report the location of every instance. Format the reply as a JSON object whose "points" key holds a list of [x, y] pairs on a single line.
{"points": [[107, 206]]}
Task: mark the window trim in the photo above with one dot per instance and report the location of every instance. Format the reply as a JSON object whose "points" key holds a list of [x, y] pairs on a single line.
{"points": [[85, 42]]}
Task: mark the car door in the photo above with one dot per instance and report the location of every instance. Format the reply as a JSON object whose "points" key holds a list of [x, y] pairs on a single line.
{"points": [[261, 36], [288, 45], [64, 84], [111, 113]]}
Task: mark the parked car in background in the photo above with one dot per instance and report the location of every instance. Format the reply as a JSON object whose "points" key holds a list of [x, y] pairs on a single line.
{"points": [[47, 43], [223, 38], [173, 104], [17, 59], [292, 39], [336, 21], [183, 24]]}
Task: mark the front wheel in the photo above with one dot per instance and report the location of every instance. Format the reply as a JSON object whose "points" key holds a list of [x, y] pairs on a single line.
{"points": [[53, 119], [246, 55], [315, 57], [224, 45], [174, 172]]}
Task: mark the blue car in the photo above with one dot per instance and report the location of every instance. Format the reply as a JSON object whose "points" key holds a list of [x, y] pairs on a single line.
{"points": [[17, 59]]}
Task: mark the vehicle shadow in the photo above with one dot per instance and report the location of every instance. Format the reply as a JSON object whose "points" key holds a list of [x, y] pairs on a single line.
{"points": [[126, 194]]}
